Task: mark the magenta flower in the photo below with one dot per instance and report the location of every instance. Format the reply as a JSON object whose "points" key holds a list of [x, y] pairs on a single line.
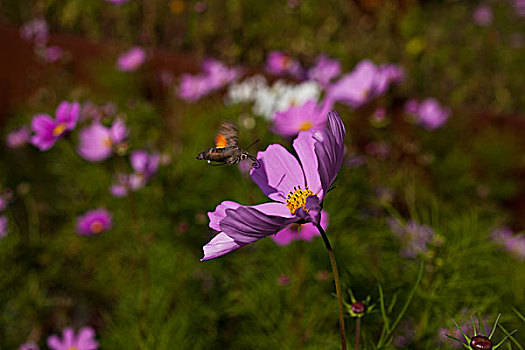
{"points": [[431, 115], [50, 53], [85, 340], [97, 142], [519, 6], [193, 87], [301, 118], [324, 70], [29, 346], [3, 226], [297, 188], [305, 232], [94, 222], [411, 107], [516, 246], [214, 76], [483, 15], [360, 86], [35, 31], [144, 165], [218, 74], [279, 63], [131, 60], [47, 130], [18, 138]]}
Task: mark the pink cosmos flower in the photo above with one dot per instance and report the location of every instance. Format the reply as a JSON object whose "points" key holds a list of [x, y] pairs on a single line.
{"points": [[35, 31], [192, 87], [97, 142], [3, 226], [519, 6], [411, 106], [215, 75], [131, 60], [279, 63], [94, 222], [29, 346], [366, 82], [85, 340], [324, 70], [483, 15], [47, 130], [51, 53], [301, 118], [297, 188], [18, 138], [218, 74], [294, 232], [144, 165], [431, 115]]}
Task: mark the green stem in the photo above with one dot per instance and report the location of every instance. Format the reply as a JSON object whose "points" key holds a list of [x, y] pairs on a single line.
{"points": [[357, 333], [337, 285]]}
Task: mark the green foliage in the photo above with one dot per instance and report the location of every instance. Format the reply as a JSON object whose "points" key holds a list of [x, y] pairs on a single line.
{"points": [[141, 284]]}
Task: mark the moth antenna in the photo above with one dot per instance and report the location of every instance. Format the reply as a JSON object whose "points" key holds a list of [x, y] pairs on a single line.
{"points": [[253, 143], [256, 164]]}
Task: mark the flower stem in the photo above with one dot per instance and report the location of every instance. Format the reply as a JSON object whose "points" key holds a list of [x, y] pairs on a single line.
{"points": [[357, 333], [337, 285]]}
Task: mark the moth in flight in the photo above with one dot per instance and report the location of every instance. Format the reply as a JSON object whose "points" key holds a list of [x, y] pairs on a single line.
{"points": [[226, 150]]}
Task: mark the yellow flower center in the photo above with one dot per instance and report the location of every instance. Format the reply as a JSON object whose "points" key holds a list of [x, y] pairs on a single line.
{"points": [[107, 142], [297, 198], [72, 348], [96, 227], [59, 129], [306, 126], [286, 61]]}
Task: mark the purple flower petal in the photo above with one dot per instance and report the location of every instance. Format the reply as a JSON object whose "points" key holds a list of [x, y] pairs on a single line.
{"points": [[55, 343], [119, 132], [85, 339], [220, 213], [139, 161], [249, 224], [95, 142], [279, 172], [68, 113], [43, 126], [304, 145], [220, 244], [330, 150]]}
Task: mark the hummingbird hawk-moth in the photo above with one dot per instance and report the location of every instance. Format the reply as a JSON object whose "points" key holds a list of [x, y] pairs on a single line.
{"points": [[226, 150]]}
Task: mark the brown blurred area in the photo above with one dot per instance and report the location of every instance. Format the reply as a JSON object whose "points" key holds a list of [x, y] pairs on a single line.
{"points": [[21, 73]]}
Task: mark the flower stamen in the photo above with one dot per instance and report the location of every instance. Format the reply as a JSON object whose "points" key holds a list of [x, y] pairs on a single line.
{"points": [[96, 227], [59, 129], [297, 198]]}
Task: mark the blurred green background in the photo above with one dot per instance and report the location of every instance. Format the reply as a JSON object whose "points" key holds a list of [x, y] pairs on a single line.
{"points": [[141, 285]]}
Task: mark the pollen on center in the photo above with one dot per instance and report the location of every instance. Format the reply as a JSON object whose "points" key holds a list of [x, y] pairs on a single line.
{"points": [[59, 129], [96, 227], [305, 126], [297, 198], [107, 141]]}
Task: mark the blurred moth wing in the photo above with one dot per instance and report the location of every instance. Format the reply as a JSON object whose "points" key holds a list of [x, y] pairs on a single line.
{"points": [[226, 150]]}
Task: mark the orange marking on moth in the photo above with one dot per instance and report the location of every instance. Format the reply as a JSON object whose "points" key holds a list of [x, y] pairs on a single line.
{"points": [[220, 141]]}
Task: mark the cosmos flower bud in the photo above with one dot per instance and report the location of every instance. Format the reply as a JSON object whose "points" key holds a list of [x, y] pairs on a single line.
{"points": [[481, 342], [358, 307]]}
